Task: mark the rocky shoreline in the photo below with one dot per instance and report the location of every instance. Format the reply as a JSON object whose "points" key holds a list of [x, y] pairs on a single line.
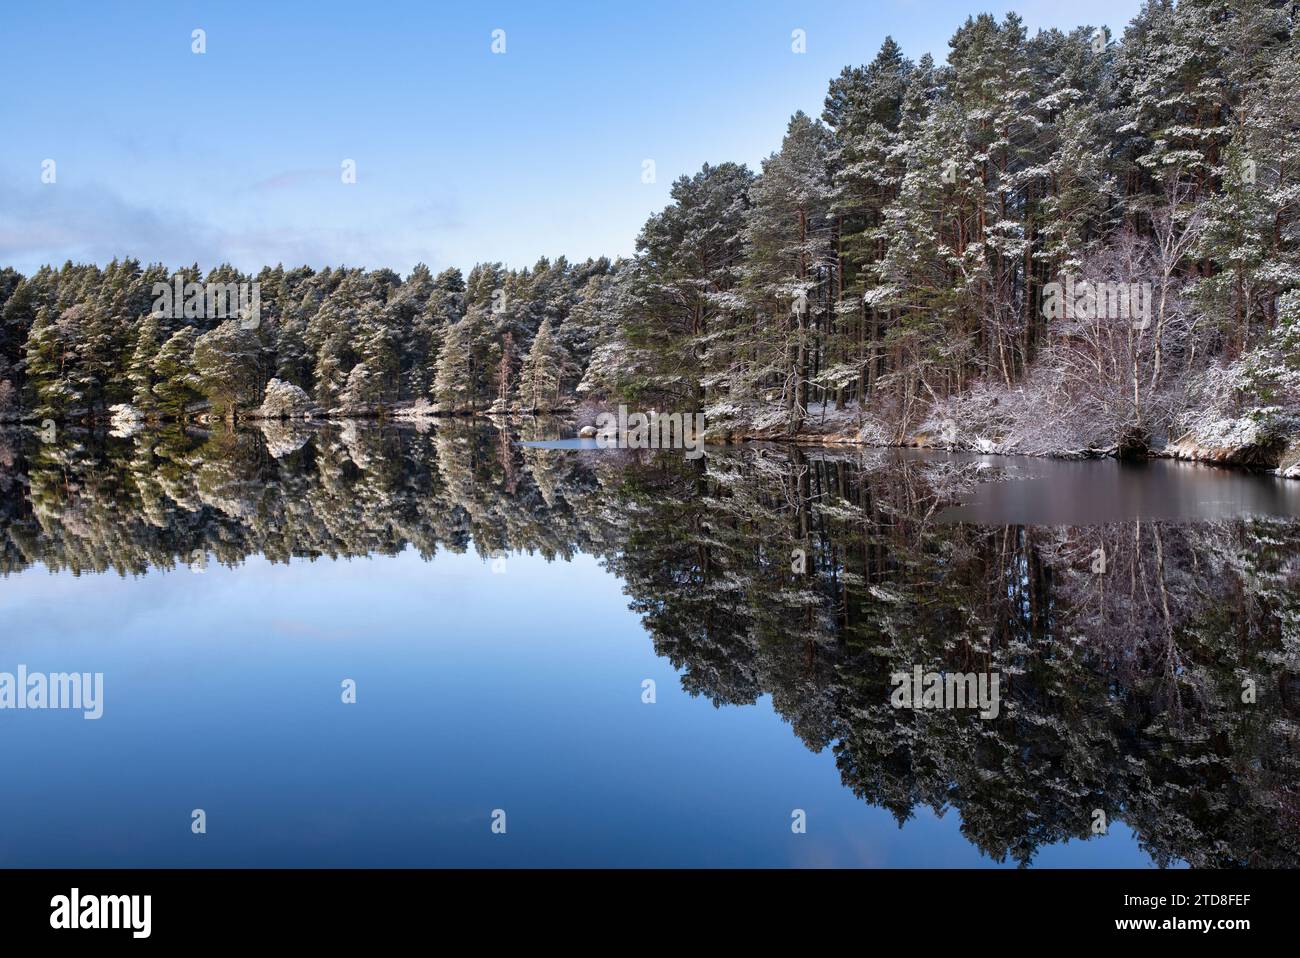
{"points": [[1277, 455]]}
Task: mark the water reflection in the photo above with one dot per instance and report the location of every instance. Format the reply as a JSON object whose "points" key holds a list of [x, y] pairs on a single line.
{"points": [[1092, 492], [1125, 641]]}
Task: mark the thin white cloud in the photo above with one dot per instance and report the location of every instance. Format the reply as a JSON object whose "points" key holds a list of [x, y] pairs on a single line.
{"points": [[54, 223]]}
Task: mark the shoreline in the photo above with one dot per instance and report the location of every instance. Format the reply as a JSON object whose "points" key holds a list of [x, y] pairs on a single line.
{"points": [[1243, 459]]}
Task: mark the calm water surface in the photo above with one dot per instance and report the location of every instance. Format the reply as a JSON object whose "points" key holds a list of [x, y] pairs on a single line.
{"points": [[501, 606]]}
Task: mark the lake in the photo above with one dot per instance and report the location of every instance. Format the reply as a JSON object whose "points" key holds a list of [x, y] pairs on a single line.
{"points": [[458, 645]]}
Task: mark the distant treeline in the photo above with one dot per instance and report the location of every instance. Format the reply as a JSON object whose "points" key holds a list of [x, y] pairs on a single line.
{"points": [[81, 339], [887, 267]]}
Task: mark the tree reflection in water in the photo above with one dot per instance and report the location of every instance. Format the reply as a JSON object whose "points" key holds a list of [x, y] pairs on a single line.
{"points": [[1121, 691]]}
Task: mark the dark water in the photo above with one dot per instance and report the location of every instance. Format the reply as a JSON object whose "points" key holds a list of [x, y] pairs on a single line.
{"points": [[1094, 492], [500, 608]]}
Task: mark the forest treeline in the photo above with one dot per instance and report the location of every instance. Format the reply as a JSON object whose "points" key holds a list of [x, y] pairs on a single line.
{"points": [[883, 274]]}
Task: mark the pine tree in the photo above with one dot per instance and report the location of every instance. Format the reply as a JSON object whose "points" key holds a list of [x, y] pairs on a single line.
{"points": [[446, 305], [375, 380], [460, 377], [863, 110], [688, 268], [406, 315], [791, 259], [544, 371], [329, 336], [141, 371], [1252, 233], [929, 270], [226, 368], [177, 385], [49, 350]]}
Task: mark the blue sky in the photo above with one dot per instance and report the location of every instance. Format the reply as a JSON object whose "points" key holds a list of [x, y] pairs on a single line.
{"points": [[461, 154]]}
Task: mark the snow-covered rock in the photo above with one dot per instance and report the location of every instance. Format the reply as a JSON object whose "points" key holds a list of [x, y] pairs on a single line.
{"points": [[1289, 466], [284, 401], [1244, 441]]}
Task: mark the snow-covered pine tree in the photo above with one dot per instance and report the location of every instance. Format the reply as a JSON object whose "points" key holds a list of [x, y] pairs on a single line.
{"points": [[176, 386], [544, 371], [689, 263], [790, 264], [141, 371], [226, 368], [460, 377]]}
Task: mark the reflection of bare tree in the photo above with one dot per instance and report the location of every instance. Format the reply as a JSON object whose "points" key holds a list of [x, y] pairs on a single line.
{"points": [[809, 576]]}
